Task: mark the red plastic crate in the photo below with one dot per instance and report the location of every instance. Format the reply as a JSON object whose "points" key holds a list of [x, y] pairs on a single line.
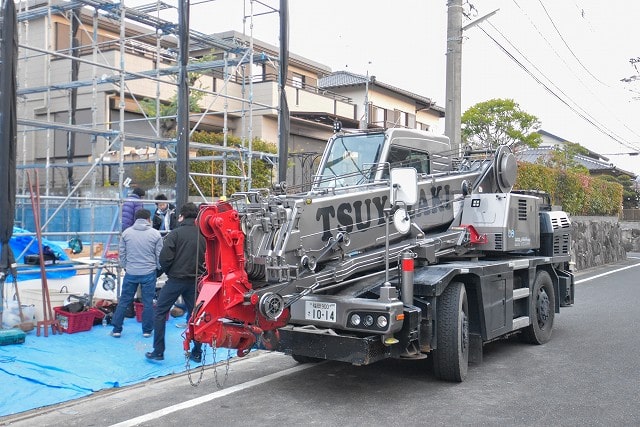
{"points": [[74, 322], [138, 307]]}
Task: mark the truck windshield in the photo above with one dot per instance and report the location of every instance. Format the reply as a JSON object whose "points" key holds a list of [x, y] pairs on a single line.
{"points": [[351, 160]]}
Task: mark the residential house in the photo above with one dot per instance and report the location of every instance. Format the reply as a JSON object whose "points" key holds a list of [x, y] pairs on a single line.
{"points": [[99, 105], [595, 163]]}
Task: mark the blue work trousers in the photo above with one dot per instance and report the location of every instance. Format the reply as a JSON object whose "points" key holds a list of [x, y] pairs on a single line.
{"points": [[130, 283]]}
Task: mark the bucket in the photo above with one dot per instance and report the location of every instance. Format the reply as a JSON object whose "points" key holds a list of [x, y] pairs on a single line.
{"points": [[138, 307], [34, 297]]}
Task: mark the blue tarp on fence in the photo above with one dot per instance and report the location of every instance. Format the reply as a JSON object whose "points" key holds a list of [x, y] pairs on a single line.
{"points": [[30, 243]]}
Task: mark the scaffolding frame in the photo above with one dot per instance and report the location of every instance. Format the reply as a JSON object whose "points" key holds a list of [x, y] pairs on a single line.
{"points": [[138, 29]]}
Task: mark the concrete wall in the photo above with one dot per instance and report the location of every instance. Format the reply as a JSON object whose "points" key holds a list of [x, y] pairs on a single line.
{"points": [[598, 241]]}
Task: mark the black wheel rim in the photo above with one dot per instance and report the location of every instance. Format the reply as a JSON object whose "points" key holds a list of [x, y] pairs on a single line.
{"points": [[542, 308]]}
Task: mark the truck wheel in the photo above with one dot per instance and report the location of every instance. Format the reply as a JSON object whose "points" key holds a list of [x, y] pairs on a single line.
{"points": [[541, 309], [305, 359], [451, 358]]}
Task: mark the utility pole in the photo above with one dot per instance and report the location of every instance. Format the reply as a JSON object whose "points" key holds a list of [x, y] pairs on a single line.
{"points": [[284, 119], [182, 140], [364, 122], [452, 115]]}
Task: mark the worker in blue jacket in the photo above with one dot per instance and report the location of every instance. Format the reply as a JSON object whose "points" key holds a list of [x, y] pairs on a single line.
{"points": [[132, 205]]}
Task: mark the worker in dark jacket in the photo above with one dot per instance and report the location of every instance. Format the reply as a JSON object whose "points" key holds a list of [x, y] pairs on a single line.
{"points": [[132, 205], [182, 268]]}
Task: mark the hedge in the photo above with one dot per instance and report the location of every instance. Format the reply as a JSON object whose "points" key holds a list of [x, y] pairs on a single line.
{"points": [[578, 193]]}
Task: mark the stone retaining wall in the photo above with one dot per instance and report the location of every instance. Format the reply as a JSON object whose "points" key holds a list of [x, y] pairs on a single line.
{"points": [[598, 241], [630, 235]]}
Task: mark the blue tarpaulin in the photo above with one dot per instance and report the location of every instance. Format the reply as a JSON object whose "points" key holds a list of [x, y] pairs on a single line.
{"points": [[47, 370], [18, 245]]}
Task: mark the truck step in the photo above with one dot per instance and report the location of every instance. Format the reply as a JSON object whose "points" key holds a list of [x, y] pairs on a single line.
{"points": [[520, 293], [520, 322]]}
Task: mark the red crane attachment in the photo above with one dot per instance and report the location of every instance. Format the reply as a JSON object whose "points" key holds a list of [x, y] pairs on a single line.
{"points": [[226, 310]]}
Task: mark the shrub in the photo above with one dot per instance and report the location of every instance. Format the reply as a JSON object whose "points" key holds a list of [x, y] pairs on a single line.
{"points": [[577, 192]]}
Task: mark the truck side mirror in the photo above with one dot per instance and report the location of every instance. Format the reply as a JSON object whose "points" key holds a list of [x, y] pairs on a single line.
{"points": [[404, 186]]}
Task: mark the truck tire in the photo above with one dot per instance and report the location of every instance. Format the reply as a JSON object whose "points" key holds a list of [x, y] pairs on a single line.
{"points": [[541, 310], [451, 358]]}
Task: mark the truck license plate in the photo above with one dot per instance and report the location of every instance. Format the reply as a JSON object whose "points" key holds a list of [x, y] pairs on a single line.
{"points": [[324, 311]]}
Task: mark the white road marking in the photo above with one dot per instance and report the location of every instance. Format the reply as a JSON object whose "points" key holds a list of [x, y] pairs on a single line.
{"points": [[609, 272], [221, 393], [209, 397]]}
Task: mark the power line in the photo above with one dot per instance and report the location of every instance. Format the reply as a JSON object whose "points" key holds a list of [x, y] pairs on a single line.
{"points": [[567, 45], [571, 70], [582, 114]]}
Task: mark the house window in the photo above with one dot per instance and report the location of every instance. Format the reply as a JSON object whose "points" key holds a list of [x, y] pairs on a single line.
{"points": [[399, 119], [377, 116], [257, 72], [411, 121], [422, 126], [85, 41], [297, 80]]}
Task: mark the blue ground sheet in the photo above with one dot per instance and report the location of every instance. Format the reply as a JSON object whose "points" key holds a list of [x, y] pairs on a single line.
{"points": [[46, 370]]}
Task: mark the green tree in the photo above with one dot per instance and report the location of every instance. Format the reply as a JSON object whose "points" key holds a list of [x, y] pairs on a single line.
{"points": [[563, 157], [630, 196], [577, 192], [168, 110], [499, 122], [261, 170]]}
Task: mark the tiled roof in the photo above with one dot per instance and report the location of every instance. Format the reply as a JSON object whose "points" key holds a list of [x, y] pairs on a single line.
{"points": [[346, 78], [531, 155], [342, 78]]}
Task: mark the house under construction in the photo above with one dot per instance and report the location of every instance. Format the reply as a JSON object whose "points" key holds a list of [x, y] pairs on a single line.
{"points": [[99, 102]]}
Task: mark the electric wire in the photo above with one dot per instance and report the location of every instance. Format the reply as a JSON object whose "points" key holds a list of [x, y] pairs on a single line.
{"points": [[582, 114], [579, 62], [610, 132], [567, 44]]}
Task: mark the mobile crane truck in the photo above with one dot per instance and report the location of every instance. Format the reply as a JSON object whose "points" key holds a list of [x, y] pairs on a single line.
{"points": [[400, 248]]}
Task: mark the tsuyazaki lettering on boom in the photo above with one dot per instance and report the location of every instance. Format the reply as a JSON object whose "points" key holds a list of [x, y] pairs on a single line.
{"points": [[358, 213]]}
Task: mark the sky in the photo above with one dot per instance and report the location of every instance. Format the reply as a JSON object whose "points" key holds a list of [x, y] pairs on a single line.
{"points": [[570, 55]]}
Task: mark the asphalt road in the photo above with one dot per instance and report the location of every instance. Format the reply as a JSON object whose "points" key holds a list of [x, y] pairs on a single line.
{"points": [[587, 375]]}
